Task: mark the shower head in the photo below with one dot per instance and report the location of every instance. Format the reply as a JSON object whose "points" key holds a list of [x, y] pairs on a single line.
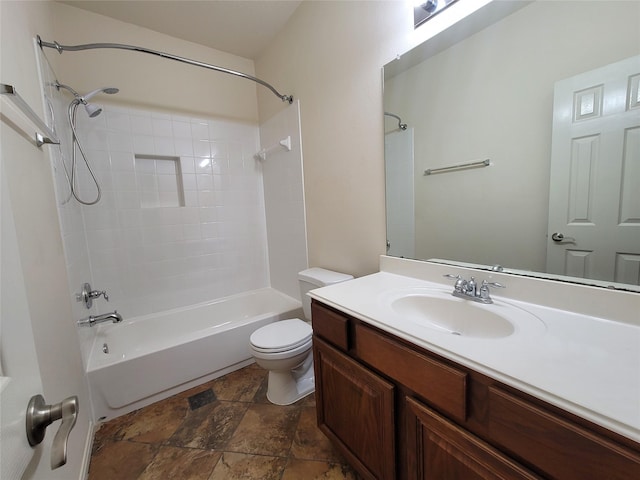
{"points": [[108, 90], [92, 110]]}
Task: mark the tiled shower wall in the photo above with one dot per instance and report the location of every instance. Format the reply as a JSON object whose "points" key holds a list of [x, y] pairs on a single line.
{"points": [[181, 219]]}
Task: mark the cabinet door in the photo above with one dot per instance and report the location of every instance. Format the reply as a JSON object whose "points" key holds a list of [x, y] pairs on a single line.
{"points": [[439, 449], [356, 411]]}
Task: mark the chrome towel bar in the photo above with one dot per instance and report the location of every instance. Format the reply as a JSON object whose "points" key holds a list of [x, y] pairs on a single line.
{"points": [[41, 127], [481, 163]]}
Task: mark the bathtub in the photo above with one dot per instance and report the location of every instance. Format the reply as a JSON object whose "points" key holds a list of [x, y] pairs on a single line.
{"points": [[148, 358]]}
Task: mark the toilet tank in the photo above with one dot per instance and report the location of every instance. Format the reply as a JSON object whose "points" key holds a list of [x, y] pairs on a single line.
{"points": [[316, 278]]}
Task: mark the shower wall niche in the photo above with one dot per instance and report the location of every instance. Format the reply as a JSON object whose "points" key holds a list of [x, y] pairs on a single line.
{"points": [[159, 181]]}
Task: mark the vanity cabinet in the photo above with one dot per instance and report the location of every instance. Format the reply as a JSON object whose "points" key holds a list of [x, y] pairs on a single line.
{"points": [[399, 411], [357, 411]]}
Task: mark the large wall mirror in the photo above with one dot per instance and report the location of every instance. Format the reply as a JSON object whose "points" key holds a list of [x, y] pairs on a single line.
{"points": [[536, 106]]}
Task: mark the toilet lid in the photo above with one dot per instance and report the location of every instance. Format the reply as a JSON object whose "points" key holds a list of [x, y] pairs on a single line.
{"points": [[281, 336]]}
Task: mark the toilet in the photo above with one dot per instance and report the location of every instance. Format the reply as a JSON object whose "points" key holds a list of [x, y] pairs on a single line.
{"points": [[284, 347]]}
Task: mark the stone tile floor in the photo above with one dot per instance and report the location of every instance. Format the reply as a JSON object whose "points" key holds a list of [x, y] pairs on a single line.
{"points": [[225, 429]]}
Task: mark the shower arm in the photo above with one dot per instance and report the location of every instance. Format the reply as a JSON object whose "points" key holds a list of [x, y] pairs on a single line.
{"points": [[91, 46]]}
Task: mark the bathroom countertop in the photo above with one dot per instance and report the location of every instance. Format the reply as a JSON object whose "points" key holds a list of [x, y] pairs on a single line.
{"points": [[589, 366]]}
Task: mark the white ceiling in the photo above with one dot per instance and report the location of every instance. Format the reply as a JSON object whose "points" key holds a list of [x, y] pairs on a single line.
{"points": [[241, 27]]}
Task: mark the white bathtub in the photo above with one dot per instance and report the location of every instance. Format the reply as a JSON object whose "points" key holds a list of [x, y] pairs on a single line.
{"points": [[155, 356]]}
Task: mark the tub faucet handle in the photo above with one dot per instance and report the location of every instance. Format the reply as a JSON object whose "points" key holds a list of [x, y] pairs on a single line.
{"points": [[87, 295], [97, 293]]}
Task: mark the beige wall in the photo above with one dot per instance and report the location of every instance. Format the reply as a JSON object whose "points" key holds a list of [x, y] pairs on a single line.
{"points": [[147, 80], [330, 56], [38, 235]]}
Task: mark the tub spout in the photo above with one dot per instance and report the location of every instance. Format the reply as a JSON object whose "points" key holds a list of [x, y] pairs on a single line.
{"points": [[91, 320]]}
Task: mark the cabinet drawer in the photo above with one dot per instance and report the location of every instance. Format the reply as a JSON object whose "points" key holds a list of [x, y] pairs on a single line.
{"points": [[330, 325], [442, 386], [557, 447]]}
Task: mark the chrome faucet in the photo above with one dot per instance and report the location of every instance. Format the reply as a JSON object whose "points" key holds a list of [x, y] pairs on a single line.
{"points": [[91, 320], [468, 289]]}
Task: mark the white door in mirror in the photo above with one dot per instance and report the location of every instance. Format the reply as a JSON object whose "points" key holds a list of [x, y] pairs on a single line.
{"points": [[595, 173]]}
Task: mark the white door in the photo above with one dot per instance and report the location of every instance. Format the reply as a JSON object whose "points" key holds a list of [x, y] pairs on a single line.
{"points": [[594, 198], [19, 371], [398, 155]]}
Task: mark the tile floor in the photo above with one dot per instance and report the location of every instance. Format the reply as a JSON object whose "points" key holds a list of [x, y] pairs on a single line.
{"points": [[225, 429]]}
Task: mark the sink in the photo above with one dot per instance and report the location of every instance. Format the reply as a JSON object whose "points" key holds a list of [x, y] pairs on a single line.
{"points": [[441, 312]]}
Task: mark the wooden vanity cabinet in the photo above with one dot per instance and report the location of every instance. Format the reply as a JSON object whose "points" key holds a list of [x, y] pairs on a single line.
{"points": [[356, 411], [398, 411]]}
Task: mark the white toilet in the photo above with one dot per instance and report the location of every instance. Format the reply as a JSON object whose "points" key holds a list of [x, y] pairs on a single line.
{"points": [[284, 347]]}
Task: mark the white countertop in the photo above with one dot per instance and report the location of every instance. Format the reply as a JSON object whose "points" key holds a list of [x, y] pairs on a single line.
{"points": [[587, 365]]}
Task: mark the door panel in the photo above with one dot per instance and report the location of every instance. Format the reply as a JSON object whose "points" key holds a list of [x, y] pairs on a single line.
{"points": [[20, 378], [595, 169]]}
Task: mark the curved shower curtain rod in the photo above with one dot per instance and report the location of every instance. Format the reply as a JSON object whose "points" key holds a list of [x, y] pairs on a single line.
{"points": [[401, 126], [91, 46]]}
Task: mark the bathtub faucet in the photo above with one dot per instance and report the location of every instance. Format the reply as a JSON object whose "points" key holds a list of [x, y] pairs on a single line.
{"points": [[91, 320]]}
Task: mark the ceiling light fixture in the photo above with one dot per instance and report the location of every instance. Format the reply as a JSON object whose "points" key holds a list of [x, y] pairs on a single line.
{"points": [[423, 10]]}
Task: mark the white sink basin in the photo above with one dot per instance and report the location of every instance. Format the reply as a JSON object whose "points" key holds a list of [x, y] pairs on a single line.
{"points": [[440, 311]]}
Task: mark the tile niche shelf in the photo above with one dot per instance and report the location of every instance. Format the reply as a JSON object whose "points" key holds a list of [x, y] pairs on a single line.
{"points": [[159, 181]]}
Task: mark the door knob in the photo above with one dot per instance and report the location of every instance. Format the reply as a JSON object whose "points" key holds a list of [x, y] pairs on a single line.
{"points": [[559, 237], [40, 416]]}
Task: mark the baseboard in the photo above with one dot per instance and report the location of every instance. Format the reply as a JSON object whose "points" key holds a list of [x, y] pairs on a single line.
{"points": [[88, 447]]}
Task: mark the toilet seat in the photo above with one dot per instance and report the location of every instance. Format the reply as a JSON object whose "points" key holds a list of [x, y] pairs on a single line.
{"points": [[281, 336]]}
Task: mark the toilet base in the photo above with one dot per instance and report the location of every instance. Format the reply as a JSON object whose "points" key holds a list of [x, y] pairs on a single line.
{"points": [[287, 387]]}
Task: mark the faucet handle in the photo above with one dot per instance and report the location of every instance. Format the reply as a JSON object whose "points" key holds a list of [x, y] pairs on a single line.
{"points": [[484, 290], [492, 284], [97, 293], [87, 295], [460, 282]]}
